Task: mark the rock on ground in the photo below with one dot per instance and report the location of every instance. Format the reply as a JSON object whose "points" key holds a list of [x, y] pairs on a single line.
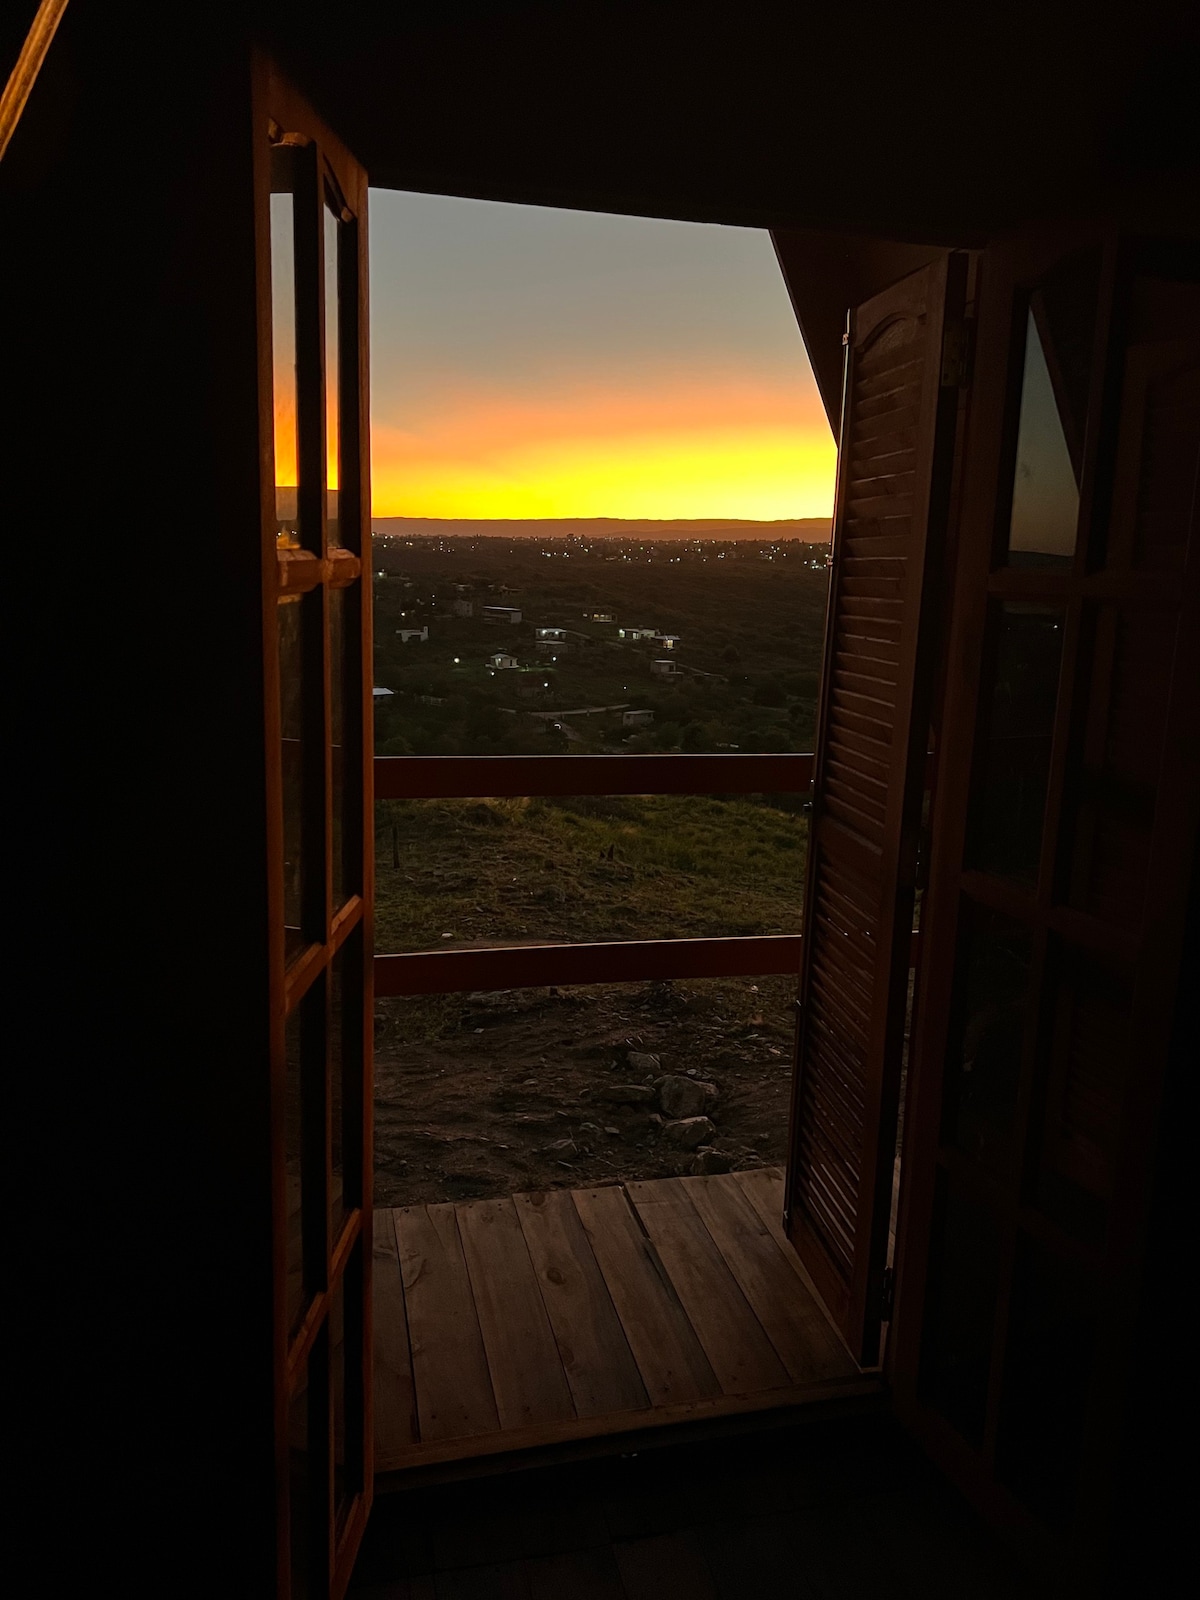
{"points": [[708, 1161], [690, 1132], [639, 1061], [684, 1097], [626, 1094]]}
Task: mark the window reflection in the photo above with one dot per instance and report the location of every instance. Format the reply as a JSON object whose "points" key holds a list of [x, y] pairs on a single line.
{"points": [[1051, 423], [283, 346], [960, 1310], [333, 431], [337, 1379], [293, 1124], [342, 1058], [292, 628], [1053, 1328], [1014, 773], [300, 1487], [1045, 498], [343, 740], [983, 1072]]}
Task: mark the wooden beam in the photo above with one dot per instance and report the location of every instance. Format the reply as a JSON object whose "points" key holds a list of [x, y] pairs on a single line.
{"points": [[622, 961], [29, 63], [466, 777]]}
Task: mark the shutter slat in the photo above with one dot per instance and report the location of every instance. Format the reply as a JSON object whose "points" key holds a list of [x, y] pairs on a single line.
{"points": [[891, 430], [874, 544]]}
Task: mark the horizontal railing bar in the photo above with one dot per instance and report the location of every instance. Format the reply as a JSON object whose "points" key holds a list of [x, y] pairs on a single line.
{"points": [[467, 777], [534, 966], [622, 961]]}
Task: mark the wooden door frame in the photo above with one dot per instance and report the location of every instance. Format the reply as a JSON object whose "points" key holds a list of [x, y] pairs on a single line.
{"points": [[333, 931]]}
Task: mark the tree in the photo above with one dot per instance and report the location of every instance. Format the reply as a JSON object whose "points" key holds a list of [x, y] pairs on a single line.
{"points": [[769, 692]]}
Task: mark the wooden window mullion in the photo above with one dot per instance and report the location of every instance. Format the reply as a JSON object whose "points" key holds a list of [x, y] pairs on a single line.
{"points": [[310, 498]]}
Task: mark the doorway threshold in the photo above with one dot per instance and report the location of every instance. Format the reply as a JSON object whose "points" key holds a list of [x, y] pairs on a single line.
{"points": [[538, 1321]]}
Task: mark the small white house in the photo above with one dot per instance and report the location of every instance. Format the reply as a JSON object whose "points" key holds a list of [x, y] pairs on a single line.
{"points": [[636, 719], [552, 635], [503, 661], [667, 641], [636, 633], [407, 635], [600, 616], [509, 615], [664, 669]]}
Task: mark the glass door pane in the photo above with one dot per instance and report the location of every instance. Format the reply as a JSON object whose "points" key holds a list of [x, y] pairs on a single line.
{"points": [[1052, 418], [332, 230], [1018, 715], [283, 347]]}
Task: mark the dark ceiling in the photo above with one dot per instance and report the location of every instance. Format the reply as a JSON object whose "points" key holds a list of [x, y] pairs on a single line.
{"points": [[933, 123]]}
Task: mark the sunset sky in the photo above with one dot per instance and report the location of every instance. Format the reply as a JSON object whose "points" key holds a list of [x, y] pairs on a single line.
{"points": [[528, 362]]}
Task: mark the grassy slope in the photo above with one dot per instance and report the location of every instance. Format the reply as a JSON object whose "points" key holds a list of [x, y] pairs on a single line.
{"points": [[682, 866]]}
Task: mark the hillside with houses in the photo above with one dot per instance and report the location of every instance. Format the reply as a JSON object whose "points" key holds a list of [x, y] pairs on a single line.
{"points": [[492, 646]]}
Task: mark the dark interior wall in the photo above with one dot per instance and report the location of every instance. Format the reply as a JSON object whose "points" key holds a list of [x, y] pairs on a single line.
{"points": [[135, 1014], [928, 123], [135, 1024]]}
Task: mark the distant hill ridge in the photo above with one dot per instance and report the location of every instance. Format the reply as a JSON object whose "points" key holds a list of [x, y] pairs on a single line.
{"points": [[813, 530]]}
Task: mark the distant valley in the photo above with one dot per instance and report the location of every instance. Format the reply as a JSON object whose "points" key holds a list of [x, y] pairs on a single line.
{"points": [[812, 530]]}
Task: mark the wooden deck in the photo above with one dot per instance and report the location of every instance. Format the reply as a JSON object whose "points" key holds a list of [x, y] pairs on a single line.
{"points": [[543, 1318]]}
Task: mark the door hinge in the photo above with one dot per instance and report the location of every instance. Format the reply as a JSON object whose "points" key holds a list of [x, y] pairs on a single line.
{"points": [[956, 356], [887, 1294]]}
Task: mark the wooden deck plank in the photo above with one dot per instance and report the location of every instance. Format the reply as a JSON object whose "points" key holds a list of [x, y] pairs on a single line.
{"points": [[454, 1387], [395, 1391], [614, 1281], [732, 1337], [763, 1187], [527, 1374], [862, 1389], [592, 1346], [673, 1365], [790, 1317]]}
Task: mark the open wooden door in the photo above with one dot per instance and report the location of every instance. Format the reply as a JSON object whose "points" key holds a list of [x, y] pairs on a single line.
{"points": [[902, 371], [1054, 1003], [311, 199]]}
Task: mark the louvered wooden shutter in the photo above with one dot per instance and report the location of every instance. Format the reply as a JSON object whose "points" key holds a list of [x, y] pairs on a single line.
{"points": [[893, 481]]}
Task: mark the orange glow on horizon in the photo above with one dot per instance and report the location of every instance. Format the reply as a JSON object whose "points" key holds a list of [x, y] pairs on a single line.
{"points": [[698, 447], [286, 476]]}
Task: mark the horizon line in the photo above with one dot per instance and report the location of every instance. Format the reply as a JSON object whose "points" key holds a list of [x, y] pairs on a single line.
{"points": [[674, 522]]}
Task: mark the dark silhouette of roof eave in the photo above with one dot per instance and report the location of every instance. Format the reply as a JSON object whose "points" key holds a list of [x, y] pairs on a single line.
{"points": [[939, 126]]}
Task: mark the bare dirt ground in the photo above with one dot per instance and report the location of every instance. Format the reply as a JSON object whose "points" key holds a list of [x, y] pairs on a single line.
{"points": [[528, 1089]]}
